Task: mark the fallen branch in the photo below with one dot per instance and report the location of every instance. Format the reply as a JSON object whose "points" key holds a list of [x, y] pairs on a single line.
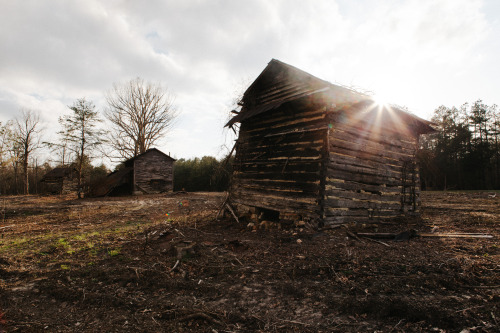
{"points": [[387, 235], [376, 241], [8, 226], [238, 260], [175, 266], [352, 235], [222, 206], [330, 227], [484, 287], [377, 235], [200, 315], [295, 322], [458, 235], [232, 212]]}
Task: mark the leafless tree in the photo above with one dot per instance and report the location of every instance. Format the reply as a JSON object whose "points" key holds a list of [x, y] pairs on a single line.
{"points": [[5, 145], [27, 139], [141, 113]]}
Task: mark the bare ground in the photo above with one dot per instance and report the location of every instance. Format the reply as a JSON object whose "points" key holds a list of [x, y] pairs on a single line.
{"points": [[122, 264]]}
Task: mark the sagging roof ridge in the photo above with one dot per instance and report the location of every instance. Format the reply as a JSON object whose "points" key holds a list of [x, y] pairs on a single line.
{"points": [[258, 109], [148, 151]]}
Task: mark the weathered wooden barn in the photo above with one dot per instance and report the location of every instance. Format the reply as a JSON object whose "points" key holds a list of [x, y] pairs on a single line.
{"points": [[323, 152], [61, 180], [147, 173]]}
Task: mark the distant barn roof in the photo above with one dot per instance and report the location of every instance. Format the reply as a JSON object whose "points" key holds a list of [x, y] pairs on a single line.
{"points": [[58, 173], [130, 160], [280, 83]]}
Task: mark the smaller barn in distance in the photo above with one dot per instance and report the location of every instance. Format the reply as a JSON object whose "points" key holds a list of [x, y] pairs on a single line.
{"points": [[148, 173], [62, 180]]}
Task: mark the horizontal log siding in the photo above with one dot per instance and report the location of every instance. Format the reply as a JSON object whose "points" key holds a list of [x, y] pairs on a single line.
{"points": [[278, 160], [364, 179], [153, 173]]}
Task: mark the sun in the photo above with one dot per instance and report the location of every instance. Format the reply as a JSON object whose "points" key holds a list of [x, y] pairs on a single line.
{"points": [[380, 100]]}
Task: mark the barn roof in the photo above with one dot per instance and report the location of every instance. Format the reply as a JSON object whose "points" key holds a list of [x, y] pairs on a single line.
{"points": [[280, 83], [129, 161], [58, 173]]}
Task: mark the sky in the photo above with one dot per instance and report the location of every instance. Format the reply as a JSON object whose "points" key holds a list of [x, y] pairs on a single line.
{"points": [[415, 53]]}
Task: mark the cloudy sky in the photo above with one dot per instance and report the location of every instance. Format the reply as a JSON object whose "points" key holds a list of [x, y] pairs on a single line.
{"points": [[416, 53]]}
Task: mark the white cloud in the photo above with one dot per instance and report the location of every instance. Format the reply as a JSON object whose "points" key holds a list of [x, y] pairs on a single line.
{"points": [[417, 53]]}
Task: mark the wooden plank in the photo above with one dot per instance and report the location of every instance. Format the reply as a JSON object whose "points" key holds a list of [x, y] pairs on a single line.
{"points": [[354, 133], [289, 177], [282, 185], [336, 184], [302, 201], [362, 162], [367, 148], [299, 122], [266, 144], [345, 203], [368, 156], [280, 166], [341, 120], [284, 152], [380, 172], [280, 115], [363, 212], [332, 220], [278, 203], [363, 178], [394, 197]]}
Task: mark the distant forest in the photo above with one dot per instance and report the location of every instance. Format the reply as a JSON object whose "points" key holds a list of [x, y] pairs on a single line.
{"points": [[464, 154], [202, 174]]}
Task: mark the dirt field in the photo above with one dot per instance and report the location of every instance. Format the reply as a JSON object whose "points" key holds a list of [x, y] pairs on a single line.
{"points": [[122, 265]]}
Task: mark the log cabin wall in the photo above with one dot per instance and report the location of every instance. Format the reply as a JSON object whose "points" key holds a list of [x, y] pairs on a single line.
{"points": [[61, 180], [279, 159], [153, 173], [323, 151], [54, 186], [69, 185], [371, 171]]}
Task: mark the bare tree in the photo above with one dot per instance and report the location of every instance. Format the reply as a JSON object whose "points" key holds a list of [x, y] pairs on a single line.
{"points": [[27, 139], [141, 113], [5, 145]]}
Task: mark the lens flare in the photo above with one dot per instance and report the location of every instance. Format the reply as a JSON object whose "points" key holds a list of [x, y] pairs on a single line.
{"points": [[380, 100]]}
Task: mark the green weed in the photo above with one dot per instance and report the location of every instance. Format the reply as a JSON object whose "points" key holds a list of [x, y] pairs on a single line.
{"points": [[114, 252]]}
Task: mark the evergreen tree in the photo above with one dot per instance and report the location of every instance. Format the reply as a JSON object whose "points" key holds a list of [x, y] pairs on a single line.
{"points": [[81, 132]]}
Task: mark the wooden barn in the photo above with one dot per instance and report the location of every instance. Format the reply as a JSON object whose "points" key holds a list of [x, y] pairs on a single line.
{"points": [[61, 180], [147, 173], [322, 152]]}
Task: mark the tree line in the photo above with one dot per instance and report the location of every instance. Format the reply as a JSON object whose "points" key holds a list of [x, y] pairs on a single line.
{"points": [[464, 153], [202, 174]]}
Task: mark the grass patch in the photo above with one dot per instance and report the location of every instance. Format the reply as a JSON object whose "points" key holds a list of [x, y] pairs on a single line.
{"points": [[114, 252]]}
